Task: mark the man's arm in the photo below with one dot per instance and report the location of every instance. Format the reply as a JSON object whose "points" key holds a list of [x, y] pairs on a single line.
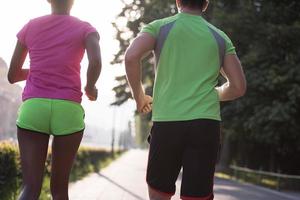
{"points": [[141, 45], [94, 69], [15, 72], [235, 86]]}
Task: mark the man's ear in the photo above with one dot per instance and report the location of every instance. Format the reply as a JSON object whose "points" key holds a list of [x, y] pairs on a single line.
{"points": [[205, 6], [178, 2]]}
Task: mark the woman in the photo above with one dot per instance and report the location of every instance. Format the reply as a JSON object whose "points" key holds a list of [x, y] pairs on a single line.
{"points": [[51, 98]]}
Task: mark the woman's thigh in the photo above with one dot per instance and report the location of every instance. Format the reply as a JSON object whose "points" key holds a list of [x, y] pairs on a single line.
{"points": [[64, 149], [33, 151]]}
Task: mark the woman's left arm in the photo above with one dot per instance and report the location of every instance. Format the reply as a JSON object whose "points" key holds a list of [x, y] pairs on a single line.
{"points": [[15, 72]]}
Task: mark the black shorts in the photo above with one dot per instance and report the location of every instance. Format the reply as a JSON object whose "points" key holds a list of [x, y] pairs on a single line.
{"points": [[192, 145]]}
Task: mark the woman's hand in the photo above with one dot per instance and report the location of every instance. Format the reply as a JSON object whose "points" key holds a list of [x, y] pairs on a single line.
{"points": [[91, 93]]}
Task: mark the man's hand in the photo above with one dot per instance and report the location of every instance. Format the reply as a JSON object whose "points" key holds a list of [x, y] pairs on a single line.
{"points": [[91, 93], [144, 104]]}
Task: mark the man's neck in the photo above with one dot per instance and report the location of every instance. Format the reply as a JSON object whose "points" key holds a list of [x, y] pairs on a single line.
{"points": [[191, 11]]}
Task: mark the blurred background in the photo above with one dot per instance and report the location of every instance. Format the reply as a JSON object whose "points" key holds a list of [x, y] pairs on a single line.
{"points": [[260, 132], [102, 119]]}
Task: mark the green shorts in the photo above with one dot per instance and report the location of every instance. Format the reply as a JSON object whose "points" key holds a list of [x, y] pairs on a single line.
{"points": [[51, 116]]}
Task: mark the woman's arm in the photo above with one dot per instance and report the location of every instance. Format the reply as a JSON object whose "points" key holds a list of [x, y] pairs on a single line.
{"points": [[94, 69], [15, 72], [235, 86]]}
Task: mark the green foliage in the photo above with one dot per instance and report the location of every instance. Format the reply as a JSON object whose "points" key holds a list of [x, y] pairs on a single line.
{"points": [[265, 123], [9, 171], [88, 160], [279, 182], [138, 13], [94, 160]]}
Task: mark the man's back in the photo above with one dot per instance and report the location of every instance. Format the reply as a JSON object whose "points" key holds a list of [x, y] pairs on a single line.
{"points": [[189, 53]]}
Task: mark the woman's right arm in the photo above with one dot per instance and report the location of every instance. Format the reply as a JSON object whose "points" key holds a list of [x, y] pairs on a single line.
{"points": [[15, 72], [236, 85], [94, 69]]}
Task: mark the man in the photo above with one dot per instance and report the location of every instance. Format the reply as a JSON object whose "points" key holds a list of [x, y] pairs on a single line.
{"points": [[190, 54]]}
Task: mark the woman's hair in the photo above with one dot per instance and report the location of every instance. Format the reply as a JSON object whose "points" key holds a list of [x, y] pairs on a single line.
{"points": [[193, 3]]}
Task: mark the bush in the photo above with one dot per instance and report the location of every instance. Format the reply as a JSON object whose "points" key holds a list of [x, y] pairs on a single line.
{"points": [[9, 171], [88, 160]]}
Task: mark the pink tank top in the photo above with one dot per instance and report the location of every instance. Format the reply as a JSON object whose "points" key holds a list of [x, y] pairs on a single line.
{"points": [[56, 47]]}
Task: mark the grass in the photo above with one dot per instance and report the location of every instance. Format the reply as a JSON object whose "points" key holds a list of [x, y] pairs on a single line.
{"points": [[262, 180]]}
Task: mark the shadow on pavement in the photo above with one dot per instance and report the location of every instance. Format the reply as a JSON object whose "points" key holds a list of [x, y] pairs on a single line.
{"points": [[121, 187]]}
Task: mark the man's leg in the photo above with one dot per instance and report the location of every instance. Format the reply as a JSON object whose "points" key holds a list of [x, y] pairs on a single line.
{"points": [[64, 149], [165, 159], [199, 160], [156, 195], [33, 151]]}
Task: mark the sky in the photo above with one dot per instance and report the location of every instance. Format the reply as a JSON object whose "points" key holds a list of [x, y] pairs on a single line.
{"points": [[14, 14]]}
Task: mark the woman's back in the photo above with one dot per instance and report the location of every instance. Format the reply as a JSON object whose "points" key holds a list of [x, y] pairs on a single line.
{"points": [[56, 45]]}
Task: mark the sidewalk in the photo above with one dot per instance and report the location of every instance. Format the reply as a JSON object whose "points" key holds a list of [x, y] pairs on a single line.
{"points": [[124, 179]]}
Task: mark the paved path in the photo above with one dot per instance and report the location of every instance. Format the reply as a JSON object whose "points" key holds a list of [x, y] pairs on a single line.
{"points": [[124, 179]]}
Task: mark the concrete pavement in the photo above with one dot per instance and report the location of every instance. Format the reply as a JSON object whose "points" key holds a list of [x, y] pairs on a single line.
{"points": [[124, 179]]}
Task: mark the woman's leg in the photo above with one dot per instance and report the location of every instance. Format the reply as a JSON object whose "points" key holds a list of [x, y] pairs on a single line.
{"points": [[33, 151], [64, 149]]}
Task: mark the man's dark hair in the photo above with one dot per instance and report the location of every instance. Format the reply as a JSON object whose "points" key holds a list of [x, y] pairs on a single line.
{"points": [[193, 3], [62, 2]]}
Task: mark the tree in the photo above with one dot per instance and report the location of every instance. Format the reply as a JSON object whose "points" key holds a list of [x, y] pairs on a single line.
{"points": [[137, 14], [265, 123]]}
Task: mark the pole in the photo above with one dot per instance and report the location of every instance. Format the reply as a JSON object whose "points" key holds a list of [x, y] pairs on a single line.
{"points": [[113, 133]]}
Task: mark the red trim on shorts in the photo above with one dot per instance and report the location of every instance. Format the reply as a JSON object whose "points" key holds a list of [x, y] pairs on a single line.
{"points": [[210, 197], [165, 194]]}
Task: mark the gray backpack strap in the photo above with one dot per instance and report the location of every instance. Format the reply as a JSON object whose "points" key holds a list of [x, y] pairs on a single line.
{"points": [[162, 37], [221, 44]]}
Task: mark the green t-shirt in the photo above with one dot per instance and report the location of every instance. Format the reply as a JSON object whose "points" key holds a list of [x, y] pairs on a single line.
{"points": [[189, 53]]}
